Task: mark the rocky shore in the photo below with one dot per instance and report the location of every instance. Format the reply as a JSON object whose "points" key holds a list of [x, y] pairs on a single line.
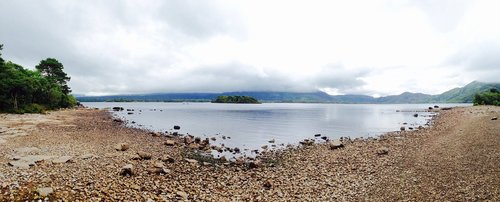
{"points": [[85, 155]]}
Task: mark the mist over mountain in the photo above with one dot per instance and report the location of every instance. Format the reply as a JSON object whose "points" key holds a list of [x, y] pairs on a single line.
{"points": [[457, 95]]}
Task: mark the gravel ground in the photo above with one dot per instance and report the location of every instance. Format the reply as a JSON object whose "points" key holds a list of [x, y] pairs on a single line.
{"points": [[457, 159]]}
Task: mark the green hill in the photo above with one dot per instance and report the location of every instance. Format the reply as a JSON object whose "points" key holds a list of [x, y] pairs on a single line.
{"points": [[466, 93]]}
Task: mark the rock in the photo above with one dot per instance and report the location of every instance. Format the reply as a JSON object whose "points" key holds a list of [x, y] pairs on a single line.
{"points": [[237, 150], [430, 108], [170, 143], [193, 161], [420, 127], [205, 142], [122, 147], [144, 155], [272, 141], [87, 156], [21, 164], [223, 159], [43, 192], [167, 159], [155, 134], [62, 159], [446, 108], [117, 108], [136, 187], [494, 118], [135, 157], [267, 184], [177, 127], [402, 128], [213, 138], [435, 106], [127, 170], [118, 120], [240, 161], [335, 144], [188, 140], [255, 164], [264, 147], [415, 115], [157, 171], [324, 138], [15, 158], [129, 113], [317, 135], [306, 142], [197, 140], [27, 150], [383, 151], [182, 194], [194, 146], [410, 128]]}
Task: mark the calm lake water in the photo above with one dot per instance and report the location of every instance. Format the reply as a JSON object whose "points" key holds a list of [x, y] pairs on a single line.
{"points": [[250, 126]]}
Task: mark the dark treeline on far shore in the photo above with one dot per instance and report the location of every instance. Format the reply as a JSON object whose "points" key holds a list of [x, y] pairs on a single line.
{"points": [[33, 91]]}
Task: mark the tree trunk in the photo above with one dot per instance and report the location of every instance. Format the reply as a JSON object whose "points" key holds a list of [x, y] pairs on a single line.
{"points": [[14, 96]]}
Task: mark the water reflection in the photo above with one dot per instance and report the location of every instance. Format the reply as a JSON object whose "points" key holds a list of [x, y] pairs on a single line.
{"points": [[251, 126]]}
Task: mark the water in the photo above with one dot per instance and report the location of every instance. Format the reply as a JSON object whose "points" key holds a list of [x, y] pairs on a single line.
{"points": [[251, 126]]}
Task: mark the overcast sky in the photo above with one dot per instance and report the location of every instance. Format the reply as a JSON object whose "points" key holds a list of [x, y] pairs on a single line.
{"points": [[341, 47]]}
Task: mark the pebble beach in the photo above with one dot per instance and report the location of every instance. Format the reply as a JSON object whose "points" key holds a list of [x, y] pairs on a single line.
{"points": [[87, 155]]}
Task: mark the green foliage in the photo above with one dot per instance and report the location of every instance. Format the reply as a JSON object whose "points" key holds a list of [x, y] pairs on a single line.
{"points": [[32, 91], [488, 98], [235, 99], [31, 108], [53, 70]]}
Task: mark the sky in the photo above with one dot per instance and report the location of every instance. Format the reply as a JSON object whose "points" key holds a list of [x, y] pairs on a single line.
{"points": [[371, 47]]}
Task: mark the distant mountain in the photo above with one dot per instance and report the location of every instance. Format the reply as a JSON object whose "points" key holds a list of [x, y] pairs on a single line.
{"points": [[405, 97], [456, 95]]}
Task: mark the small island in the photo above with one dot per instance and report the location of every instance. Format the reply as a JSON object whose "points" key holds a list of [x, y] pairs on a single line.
{"points": [[236, 99]]}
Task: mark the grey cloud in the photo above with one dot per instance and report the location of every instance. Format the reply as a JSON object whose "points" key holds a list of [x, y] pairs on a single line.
{"points": [[337, 76], [479, 60], [34, 30], [199, 19]]}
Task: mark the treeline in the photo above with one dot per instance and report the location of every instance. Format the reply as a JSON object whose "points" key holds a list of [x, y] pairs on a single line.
{"points": [[236, 99], [488, 98], [33, 91]]}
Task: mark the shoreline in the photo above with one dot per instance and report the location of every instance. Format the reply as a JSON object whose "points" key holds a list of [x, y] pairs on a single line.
{"points": [[360, 170]]}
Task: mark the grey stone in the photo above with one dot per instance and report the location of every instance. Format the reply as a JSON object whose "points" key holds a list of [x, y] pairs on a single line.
{"points": [[45, 191]]}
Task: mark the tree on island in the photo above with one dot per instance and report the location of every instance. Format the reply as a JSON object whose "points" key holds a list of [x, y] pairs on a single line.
{"points": [[236, 99], [32, 91]]}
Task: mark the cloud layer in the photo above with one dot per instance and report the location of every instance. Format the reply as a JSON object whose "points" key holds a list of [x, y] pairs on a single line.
{"points": [[380, 48]]}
